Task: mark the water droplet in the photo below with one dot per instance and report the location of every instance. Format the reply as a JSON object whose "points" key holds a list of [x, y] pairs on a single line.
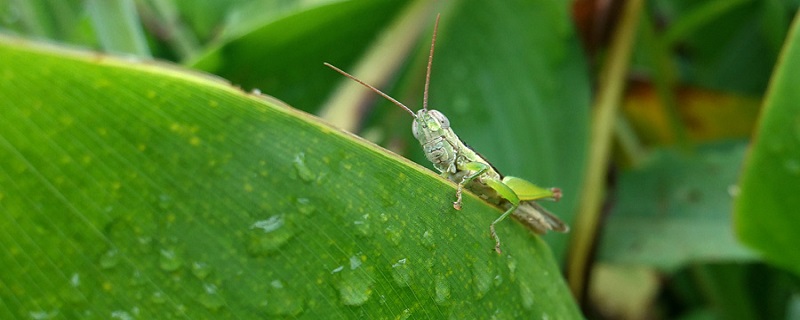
{"points": [[201, 270], [354, 285], [362, 226], [210, 298], [75, 280], [481, 278], [401, 273], [169, 260], [498, 280], [355, 262], [164, 201], [109, 259], [43, 315], [269, 225], [303, 171], [428, 240], [394, 235], [442, 289], [734, 191], [158, 297], [267, 236], [405, 315], [121, 315], [305, 206], [282, 301], [511, 262], [792, 165], [73, 294], [137, 279], [526, 294]]}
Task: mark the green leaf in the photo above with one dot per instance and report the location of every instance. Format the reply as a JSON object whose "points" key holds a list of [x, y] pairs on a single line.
{"points": [[675, 209], [118, 27], [140, 190], [766, 212], [726, 45]]}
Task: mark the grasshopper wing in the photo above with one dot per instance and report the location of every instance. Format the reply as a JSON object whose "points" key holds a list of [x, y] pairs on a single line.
{"points": [[538, 219]]}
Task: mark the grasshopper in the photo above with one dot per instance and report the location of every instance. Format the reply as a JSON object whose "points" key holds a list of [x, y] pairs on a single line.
{"points": [[460, 164]]}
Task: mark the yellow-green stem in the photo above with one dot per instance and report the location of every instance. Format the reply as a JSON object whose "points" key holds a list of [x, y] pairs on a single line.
{"points": [[611, 84]]}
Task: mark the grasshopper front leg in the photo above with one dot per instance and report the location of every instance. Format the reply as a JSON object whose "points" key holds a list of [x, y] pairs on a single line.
{"points": [[478, 169]]}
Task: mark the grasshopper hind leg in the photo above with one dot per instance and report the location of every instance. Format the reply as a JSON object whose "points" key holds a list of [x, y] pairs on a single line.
{"points": [[494, 233]]}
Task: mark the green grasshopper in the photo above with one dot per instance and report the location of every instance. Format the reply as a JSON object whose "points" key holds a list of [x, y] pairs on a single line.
{"points": [[460, 164]]}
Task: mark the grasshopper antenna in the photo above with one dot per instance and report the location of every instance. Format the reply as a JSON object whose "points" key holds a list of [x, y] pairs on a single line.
{"points": [[371, 88], [430, 61]]}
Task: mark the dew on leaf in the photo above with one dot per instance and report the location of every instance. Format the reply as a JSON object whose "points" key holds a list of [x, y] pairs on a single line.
{"points": [[363, 226], [354, 284], [211, 298], [109, 259], [394, 235], [304, 206], [526, 294], [169, 260], [441, 289], [267, 236], [158, 297], [428, 240], [482, 278], [401, 273], [282, 301], [303, 171], [792, 166], [511, 262], [201, 270]]}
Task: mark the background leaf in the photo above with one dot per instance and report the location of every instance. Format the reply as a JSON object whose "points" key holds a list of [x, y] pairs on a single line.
{"points": [[674, 210], [766, 210]]}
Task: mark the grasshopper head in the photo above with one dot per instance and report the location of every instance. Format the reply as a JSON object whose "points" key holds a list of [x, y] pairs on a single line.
{"points": [[428, 124]]}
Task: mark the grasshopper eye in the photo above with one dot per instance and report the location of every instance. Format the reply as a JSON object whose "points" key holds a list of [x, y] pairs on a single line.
{"points": [[445, 123], [414, 129]]}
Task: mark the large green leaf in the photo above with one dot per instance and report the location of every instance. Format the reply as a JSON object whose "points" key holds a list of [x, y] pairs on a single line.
{"points": [[767, 209], [139, 190]]}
